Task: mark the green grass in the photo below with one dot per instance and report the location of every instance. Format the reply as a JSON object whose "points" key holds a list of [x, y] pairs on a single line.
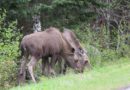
{"points": [[111, 76]]}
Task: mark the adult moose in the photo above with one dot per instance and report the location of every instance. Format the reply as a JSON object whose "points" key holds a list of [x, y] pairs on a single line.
{"points": [[47, 43], [70, 36], [80, 54]]}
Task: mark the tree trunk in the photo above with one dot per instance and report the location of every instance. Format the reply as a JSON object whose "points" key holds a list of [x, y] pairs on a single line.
{"points": [[36, 23]]}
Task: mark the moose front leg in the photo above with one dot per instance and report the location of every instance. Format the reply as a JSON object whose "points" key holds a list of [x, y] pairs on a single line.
{"points": [[65, 68], [45, 68], [22, 72], [52, 64]]}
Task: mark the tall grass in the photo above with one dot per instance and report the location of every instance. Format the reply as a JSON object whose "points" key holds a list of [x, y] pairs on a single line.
{"points": [[110, 77]]}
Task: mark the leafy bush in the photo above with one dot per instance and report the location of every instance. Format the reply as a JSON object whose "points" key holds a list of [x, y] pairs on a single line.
{"points": [[7, 73], [109, 55], [100, 45], [94, 55], [124, 51], [9, 42]]}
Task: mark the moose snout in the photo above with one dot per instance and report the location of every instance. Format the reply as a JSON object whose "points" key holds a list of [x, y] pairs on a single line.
{"points": [[77, 70]]}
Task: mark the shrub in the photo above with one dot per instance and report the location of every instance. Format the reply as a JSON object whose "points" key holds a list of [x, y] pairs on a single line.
{"points": [[109, 55], [123, 51], [7, 73], [9, 42], [94, 55], [101, 45]]}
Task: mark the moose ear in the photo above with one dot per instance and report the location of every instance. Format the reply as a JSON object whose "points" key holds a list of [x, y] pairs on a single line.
{"points": [[81, 51], [73, 50]]}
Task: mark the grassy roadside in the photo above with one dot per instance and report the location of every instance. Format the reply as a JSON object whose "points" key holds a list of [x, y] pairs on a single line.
{"points": [[109, 77]]}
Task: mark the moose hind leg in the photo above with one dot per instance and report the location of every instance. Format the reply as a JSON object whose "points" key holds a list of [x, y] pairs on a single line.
{"points": [[52, 64], [22, 72], [31, 66]]}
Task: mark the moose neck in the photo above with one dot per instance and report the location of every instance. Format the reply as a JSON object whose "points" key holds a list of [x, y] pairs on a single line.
{"points": [[66, 47], [67, 54]]}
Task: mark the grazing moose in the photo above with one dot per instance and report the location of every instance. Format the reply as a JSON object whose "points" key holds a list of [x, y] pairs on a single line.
{"points": [[44, 44], [79, 50], [80, 55]]}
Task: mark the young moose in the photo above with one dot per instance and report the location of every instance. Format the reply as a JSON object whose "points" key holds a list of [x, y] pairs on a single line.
{"points": [[47, 43], [80, 55]]}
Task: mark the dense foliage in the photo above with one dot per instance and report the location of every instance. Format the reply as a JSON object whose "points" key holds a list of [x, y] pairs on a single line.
{"points": [[101, 25], [9, 43]]}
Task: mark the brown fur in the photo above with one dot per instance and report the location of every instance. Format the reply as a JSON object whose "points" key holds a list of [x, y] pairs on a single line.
{"points": [[74, 42], [71, 38], [41, 44], [79, 53], [44, 44]]}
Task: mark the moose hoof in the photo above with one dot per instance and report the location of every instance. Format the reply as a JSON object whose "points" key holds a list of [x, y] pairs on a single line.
{"points": [[52, 73]]}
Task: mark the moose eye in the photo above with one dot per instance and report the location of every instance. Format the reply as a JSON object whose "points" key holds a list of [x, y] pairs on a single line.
{"points": [[82, 51], [73, 50], [76, 61]]}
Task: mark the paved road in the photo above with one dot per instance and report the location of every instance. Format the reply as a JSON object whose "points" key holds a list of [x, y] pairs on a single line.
{"points": [[125, 88]]}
